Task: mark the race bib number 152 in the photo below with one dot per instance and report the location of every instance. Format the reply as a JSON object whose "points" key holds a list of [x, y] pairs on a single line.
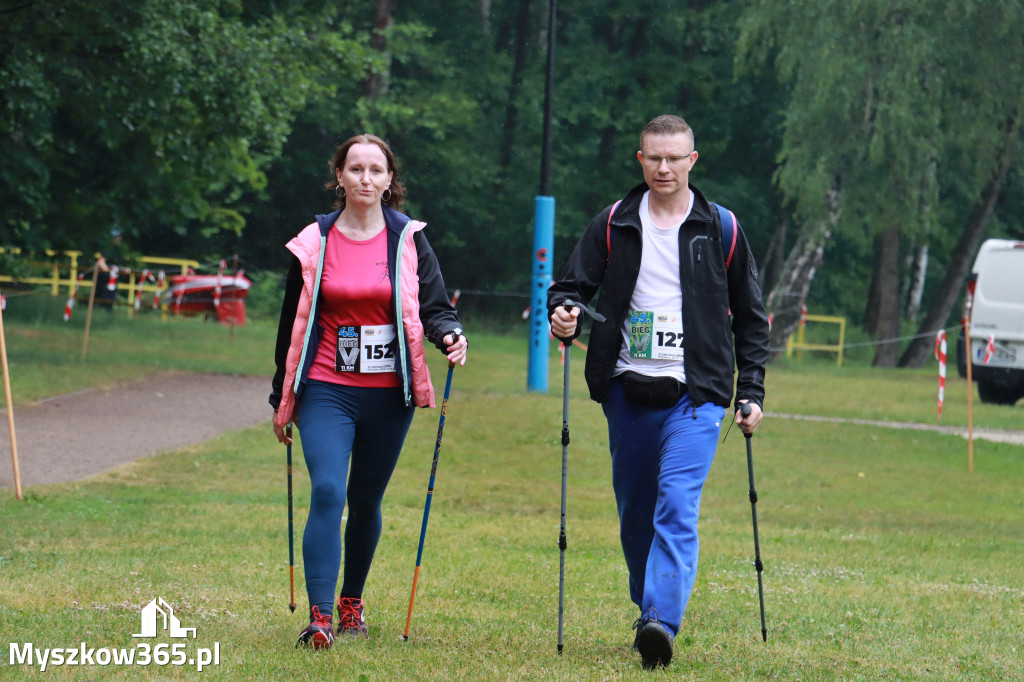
{"points": [[369, 349]]}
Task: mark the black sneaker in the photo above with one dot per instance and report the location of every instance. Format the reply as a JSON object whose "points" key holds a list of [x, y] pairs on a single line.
{"points": [[319, 634], [653, 641]]}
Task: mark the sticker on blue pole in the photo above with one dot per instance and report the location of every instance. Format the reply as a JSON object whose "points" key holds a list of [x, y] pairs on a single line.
{"points": [[540, 326]]}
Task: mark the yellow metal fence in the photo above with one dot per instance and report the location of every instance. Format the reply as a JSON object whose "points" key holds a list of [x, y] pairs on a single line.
{"points": [[62, 272], [800, 345]]}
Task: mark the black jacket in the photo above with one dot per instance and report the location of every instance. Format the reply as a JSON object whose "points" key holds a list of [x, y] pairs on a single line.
{"points": [[710, 293]]}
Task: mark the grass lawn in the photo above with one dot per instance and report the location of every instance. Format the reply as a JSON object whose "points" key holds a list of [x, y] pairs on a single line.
{"points": [[883, 558]]}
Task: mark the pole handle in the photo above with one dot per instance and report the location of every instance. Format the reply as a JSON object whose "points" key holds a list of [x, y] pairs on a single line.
{"points": [[455, 339], [745, 410]]}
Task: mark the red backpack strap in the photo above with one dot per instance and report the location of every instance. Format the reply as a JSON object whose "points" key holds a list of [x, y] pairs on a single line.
{"points": [[608, 230], [728, 220]]}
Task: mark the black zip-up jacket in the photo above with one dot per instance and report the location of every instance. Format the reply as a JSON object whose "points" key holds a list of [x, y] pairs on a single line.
{"points": [[436, 312], [709, 294]]}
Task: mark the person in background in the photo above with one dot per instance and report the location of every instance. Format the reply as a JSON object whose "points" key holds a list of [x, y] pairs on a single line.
{"points": [[661, 365], [110, 262], [363, 291]]}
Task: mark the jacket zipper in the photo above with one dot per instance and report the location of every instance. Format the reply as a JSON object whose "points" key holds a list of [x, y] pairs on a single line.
{"points": [[311, 320], [399, 329]]}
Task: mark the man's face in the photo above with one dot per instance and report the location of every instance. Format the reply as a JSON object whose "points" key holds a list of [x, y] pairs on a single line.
{"points": [[666, 161]]}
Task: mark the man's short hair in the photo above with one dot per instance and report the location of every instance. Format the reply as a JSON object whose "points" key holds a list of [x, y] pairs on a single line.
{"points": [[666, 124]]}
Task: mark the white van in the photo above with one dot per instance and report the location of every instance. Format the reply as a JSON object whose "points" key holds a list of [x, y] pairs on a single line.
{"points": [[994, 307]]}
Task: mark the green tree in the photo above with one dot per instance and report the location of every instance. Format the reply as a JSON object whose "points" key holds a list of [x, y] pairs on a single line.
{"points": [[153, 118], [885, 101]]}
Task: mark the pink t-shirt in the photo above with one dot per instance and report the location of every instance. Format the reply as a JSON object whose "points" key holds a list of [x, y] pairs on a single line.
{"points": [[357, 309]]}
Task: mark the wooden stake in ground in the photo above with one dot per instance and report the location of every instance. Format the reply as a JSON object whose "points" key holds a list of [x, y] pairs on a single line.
{"points": [[10, 407], [88, 313], [970, 393], [231, 335]]}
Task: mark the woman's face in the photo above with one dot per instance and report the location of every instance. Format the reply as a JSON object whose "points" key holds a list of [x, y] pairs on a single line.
{"points": [[365, 175]]}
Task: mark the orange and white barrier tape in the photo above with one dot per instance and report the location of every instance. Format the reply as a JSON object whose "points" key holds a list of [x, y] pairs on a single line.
{"points": [[112, 282], [940, 355], [146, 275], [990, 348], [161, 278], [216, 289], [70, 305]]}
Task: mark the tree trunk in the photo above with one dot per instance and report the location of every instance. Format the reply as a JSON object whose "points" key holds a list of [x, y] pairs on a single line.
{"points": [[884, 305], [915, 289], [774, 257], [787, 298], [508, 132], [921, 348], [376, 86], [871, 317], [485, 15]]}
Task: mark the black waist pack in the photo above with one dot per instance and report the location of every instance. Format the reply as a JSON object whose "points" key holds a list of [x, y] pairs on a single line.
{"points": [[646, 391]]}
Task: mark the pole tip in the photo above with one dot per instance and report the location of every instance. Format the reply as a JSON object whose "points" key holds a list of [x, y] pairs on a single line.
{"points": [[764, 635], [404, 638], [292, 607], [559, 649]]}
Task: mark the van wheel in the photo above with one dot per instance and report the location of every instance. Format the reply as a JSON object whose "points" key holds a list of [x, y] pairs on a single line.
{"points": [[998, 394]]}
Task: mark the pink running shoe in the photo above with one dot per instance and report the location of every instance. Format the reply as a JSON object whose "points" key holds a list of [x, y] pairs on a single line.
{"points": [[319, 634], [351, 618]]}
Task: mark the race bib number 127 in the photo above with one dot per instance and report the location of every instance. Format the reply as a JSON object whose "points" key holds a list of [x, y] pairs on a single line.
{"points": [[655, 336]]}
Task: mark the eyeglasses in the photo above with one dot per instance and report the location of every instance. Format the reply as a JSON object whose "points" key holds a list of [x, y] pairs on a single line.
{"points": [[654, 160]]}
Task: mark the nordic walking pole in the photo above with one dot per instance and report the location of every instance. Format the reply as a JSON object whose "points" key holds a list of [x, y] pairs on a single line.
{"points": [[565, 474], [568, 305], [10, 407], [291, 524], [430, 492], [745, 409]]}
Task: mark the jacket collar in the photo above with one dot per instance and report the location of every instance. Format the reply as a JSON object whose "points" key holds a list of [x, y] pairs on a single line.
{"points": [[394, 220], [628, 212]]}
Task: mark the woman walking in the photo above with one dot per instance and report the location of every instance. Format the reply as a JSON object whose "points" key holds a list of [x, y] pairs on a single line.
{"points": [[363, 291]]}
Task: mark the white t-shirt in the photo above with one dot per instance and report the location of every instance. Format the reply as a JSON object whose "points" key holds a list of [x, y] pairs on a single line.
{"points": [[653, 332]]}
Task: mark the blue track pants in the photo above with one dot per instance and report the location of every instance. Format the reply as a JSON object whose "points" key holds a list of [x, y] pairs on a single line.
{"points": [[343, 425], [660, 460]]}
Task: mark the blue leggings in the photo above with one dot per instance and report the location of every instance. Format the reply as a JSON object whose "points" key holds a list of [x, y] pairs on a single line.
{"points": [[338, 424], [660, 460]]}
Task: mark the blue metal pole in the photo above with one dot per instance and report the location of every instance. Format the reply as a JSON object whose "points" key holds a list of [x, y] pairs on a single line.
{"points": [[543, 246]]}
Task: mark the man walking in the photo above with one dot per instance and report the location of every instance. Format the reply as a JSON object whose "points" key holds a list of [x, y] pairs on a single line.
{"points": [[680, 294]]}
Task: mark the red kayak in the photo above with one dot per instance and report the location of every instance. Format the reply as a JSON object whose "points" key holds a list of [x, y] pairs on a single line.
{"points": [[199, 294]]}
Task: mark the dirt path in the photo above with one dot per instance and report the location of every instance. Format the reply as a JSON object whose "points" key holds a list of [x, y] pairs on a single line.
{"points": [[69, 437], [996, 435], [73, 436]]}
